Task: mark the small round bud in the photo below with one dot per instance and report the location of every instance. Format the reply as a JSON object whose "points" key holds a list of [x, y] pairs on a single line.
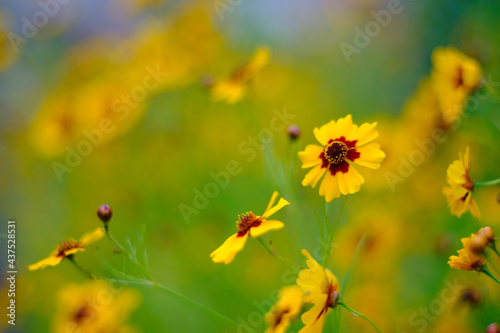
{"points": [[293, 132], [488, 233], [207, 80], [105, 213], [493, 328], [471, 296], [478, 244]]}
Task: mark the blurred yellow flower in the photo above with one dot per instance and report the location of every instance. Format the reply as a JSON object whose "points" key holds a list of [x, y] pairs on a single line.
{"points": [[68, 248], [249, 225], [454, 76], [322, 289], [234, 88], [467, 259], [285, 310], [459, 193], [8, 52], [94, 307], [342, 143]]}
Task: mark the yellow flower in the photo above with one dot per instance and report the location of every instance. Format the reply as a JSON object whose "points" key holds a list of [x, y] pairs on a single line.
{"points": [[342, 144], [94, 307], [459, 193], [234, 88], [454, 77], [249, 225], [285, 310], [68, 248], [322, 289], [467, 259]]}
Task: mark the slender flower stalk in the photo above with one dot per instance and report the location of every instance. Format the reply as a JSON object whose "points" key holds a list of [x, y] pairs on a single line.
{"points": [[486, 271], [89, 274], [153, 283], [488, 183], [356, 313], [332, 233]]}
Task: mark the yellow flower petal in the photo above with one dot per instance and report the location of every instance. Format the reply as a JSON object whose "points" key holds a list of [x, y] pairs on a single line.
{"points": [[345, 127], [313, 176], [365, 134], [282, 203], [274, 196], [265, 226], [325, 133], [329, 187], [91, 237], [226, 252], [310, 156], [370, 156], [52, 260]]}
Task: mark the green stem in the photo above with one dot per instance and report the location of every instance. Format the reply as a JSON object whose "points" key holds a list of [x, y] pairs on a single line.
{"points": [[332, 233], [274, 254], [201, 306], [487, 183], [83, 270], [356, 313], [486, 271], [494, 248], [152, 282], [359, 246]]}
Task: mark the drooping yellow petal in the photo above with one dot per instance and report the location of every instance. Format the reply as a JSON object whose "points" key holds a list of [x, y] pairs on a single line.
{"points": [[265, 226], [349, 182], [282, 203], [226, 252], [314, 319], [329, 187], [91, 237], [274, 196], [73, 251], [52, 260], [312, 280], [313, 176]]}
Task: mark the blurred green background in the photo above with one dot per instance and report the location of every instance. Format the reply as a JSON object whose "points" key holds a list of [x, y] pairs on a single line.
{"points": [[66, 78]]}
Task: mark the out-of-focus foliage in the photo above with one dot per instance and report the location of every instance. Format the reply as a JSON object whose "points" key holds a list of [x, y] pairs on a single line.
{"points": [[113, 102]]}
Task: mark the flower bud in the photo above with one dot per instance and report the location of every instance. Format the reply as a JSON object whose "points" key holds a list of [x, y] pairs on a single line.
{"points": [[488, 233], [104, 213], [478, 244], [293, 132], [471, 296], [493, 328]]}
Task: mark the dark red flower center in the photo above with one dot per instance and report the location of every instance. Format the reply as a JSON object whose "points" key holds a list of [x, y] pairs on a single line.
{"points": [[278, 316], [331, 300], [246, 222], [66, 246], [336, 153], [459, 78], [84, 313]]}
